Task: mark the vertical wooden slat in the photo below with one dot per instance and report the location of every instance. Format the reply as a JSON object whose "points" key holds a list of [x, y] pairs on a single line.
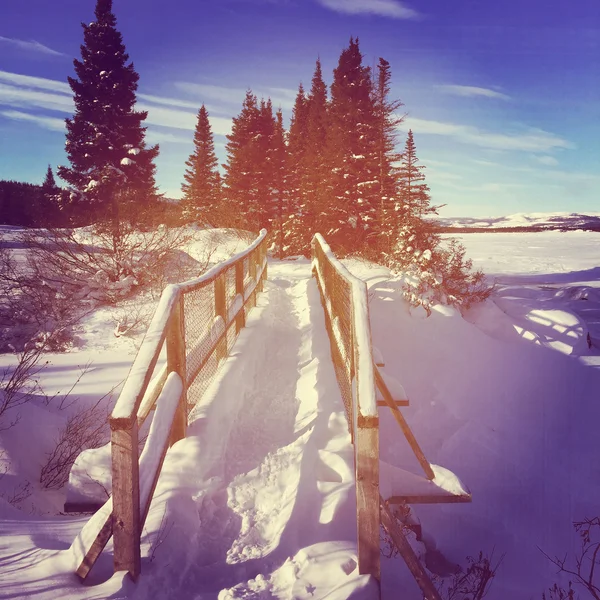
{"points": [[221, 311], [366, 458], [240, 320], [126, 499], [366, 444], [176, 362]]}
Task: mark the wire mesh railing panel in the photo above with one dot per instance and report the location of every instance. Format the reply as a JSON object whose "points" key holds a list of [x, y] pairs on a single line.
{"points": [[199, 316], [336, 297]]}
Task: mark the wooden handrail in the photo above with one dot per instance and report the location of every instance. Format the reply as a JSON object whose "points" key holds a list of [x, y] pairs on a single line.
{"points": [[345, 300], [125, 512]]}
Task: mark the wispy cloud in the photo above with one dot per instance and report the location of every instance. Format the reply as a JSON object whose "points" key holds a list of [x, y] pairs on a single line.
{"points": [[531, 140], [280, 97], [26, 92], [471, 91], [154, 136], [548, 161], [40, 83], [21, 97], [29, 46], [51, 123], [383, 8]]}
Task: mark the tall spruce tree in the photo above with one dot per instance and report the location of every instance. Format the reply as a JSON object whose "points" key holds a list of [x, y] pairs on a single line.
{"points": [[415, 200], [278, 162], [297, 146], [202, 187], [295, 226], [387, 121], [351, 152], [49, 185], [315, 189], [112, 170], [248, 173]]}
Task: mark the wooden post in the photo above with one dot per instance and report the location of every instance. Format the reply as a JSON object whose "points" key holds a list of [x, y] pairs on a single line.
{"points": [[126, 497], [221, 311], [176, 362], [240, 320], [366, 461], [366, 453]]}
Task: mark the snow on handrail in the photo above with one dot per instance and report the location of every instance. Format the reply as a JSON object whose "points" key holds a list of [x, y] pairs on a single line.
{"points": [[139, 376], [158, 440], [213, 273], [367, 403]]}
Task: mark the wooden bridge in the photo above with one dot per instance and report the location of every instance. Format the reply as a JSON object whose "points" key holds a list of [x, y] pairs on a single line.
{"points": [[198, 322]]}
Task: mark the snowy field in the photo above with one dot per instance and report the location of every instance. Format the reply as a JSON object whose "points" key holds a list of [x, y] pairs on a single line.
{"points": [[258, 500]]}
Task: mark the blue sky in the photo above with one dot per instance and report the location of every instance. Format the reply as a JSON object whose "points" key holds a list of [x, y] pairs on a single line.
{"points": [[503, 97]]}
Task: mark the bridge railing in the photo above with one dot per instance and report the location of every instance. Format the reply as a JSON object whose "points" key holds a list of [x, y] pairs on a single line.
{"points": [[345, 301], [198, 322]]}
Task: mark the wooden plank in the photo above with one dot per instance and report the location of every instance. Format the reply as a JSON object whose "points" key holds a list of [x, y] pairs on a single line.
{"points": [[96, 549], [83, 507], [431, 499], [396, 402], [408, 554], [126, 500], [151, 462], [366, 444], [408, 434], [176, 363], [149, 399]]}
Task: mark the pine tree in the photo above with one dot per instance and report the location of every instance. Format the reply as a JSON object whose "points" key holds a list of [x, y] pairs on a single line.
{"points": [[112, 171], [415, 200], [315, 190], [202, 187], [387, 121], [49, 186], [278, 160], [297, 147], [248, 173], [351, 152]]}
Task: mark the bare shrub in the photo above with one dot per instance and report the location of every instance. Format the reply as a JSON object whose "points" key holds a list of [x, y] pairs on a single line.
{"points": [[471, 582], [557, 592], [87, 428], [474, 580], [587, 559], [19, 384]]}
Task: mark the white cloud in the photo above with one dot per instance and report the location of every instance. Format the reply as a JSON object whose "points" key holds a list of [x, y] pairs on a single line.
{"points": [[471, 91], [548, 161], [383, 8], [51, 123], [29, 46], [154, 136], [21, 97], [532, 140], [235, 96], [40, 83], [26, 92]]}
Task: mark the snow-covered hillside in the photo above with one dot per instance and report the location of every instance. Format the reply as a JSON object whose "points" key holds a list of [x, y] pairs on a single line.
{"points": [[526, 221], [258, 501]]}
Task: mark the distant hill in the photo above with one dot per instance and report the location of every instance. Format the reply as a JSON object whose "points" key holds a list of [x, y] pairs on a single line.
{"points": [[562, 221]]}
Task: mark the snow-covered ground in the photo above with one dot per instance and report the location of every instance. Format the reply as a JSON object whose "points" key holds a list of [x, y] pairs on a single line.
{"points": [[258, 500]]}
